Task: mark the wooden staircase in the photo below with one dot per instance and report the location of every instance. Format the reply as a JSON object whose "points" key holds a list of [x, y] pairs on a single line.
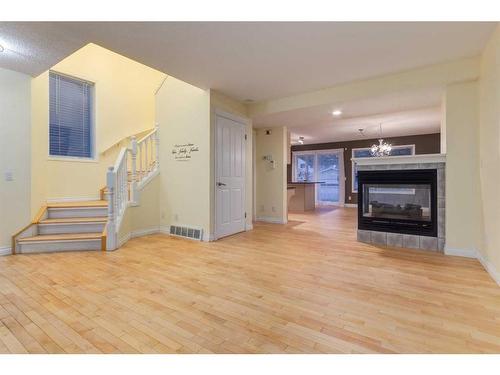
{"points": [[94, 225], [71, 226]]}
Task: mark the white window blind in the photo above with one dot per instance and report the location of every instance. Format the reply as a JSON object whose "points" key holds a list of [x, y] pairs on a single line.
{"points": [[70, 124]]}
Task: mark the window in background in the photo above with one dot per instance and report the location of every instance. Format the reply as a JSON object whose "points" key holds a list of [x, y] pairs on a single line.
{"points": [[365, 153], [325, 166], [71, 117], [304, 167]]}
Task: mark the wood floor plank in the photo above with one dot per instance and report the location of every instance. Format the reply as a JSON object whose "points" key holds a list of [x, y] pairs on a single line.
{"points": [[304, 287]]}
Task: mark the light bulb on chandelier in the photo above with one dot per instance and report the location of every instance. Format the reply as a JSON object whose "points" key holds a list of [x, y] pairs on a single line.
{"points": [[382, 148]]}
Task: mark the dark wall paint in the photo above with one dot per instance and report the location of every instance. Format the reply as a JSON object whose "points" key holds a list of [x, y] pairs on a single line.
{"points": [[424, 144]]}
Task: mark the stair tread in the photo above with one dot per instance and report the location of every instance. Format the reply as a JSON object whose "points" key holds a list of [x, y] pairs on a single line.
{"points": [[61, 237], [72, 220], [84, 204]]}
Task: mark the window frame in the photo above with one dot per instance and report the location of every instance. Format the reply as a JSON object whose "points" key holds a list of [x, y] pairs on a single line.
{"points": [[94, 158], [342, 174], [354, 188]]}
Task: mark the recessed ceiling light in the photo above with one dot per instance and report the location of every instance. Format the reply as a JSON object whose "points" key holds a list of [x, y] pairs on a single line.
{"points": [[337, 112]]}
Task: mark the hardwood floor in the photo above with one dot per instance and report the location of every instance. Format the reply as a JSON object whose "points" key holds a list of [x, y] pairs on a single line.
{"points": [[305, 287]]}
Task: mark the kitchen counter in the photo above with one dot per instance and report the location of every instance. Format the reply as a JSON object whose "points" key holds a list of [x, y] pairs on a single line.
{"points": [[304, 197]]}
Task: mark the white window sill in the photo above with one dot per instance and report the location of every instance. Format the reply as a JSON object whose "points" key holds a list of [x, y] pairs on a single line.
{"points": [[72, 159]]}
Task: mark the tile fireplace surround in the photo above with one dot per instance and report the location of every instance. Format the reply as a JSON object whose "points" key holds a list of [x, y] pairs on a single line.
{"points": [[431, 161]]}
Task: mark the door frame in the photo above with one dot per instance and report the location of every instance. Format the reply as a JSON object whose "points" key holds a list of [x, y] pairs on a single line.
{"points": [[342, 177], [245, 122]]}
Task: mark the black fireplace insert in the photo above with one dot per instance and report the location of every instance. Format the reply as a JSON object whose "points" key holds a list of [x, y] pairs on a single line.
{"points": [[398, 201]]}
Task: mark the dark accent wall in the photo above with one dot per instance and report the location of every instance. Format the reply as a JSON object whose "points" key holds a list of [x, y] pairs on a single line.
{"points": [[424, 144]]}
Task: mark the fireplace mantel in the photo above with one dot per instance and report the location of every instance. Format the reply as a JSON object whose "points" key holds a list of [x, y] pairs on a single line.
{"points": [[406, 159]]}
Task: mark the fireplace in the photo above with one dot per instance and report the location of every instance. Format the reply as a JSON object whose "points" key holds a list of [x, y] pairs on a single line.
{"points": [[398, 201]]}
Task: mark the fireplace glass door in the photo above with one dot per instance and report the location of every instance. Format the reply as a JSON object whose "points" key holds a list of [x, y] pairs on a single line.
{"points": [[397, 201]]}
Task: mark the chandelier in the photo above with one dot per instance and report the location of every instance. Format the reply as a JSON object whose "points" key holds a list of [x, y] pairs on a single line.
{"points": [[382, 148]]}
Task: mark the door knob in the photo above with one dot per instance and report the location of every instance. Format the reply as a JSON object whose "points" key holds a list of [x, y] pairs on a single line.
{"points": [[220, 184]]}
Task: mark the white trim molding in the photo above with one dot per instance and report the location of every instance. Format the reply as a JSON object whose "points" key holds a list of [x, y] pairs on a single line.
{"points": [[270, 219], [73, 199], [351, 205], [138, 233], [6, 250], [466, 253], [471, 253], [489, 267], [406, 159]]}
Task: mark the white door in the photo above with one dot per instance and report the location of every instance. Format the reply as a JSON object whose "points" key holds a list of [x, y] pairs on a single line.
{"points": [[229, 176]]}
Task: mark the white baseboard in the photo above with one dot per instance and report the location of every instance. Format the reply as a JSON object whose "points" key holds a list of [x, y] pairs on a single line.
{"points": [[122, 240], [208, 237], [351, 205], [490, 268], [471, 253], [270, 219], [138, 233], [6, 250], [145, 232], [248, 226], [73, 199], [467, 253]]}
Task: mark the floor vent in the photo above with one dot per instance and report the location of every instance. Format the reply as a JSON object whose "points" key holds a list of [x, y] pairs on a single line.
{"points": [[194, 234]]}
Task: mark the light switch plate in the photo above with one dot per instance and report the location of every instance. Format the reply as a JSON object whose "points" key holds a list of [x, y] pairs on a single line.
{"points": [[9, 176]]}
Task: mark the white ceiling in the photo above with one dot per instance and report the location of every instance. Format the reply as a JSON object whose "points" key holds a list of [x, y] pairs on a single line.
{"points": [[405, 113], [251, 60], [395, 124]]}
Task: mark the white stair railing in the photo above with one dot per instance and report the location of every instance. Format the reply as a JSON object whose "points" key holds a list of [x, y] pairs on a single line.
{"points": [[126, 178]]}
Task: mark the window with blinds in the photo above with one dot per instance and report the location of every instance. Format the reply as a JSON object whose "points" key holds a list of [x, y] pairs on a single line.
{"points": [[70, 123]]}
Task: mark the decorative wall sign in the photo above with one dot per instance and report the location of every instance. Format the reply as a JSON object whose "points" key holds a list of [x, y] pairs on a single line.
{"points": [[183, 152]]}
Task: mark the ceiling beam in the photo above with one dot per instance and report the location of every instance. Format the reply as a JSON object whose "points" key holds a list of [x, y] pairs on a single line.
{"points": [[430, 76]]}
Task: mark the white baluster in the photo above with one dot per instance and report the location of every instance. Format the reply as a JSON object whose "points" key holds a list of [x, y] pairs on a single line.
{"points": [[146, 141], [111, 225], [157, 145], [133, 187], [125, 178], [141, 156]]}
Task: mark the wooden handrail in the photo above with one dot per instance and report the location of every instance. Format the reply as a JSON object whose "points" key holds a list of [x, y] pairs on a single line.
{"points": [[35, 221], [147, 136], [39, 215], [128, 137]]}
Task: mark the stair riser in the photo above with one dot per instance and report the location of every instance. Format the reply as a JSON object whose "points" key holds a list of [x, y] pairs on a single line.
{"points": [[57, 246], [61, 213], [70, 228]]}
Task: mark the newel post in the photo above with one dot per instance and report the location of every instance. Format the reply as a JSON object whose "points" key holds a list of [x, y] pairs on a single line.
{"points": [[134, 170], [111, 226], [157, 145]]}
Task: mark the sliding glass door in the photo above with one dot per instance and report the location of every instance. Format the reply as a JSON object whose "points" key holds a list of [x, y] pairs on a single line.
{"points": [[328, 173], [325, 167]]}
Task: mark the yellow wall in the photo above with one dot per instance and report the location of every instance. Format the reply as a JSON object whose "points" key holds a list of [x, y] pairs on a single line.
{"points": [[124, 105], [15, 154], [183, 114], [271, 185], [463, 195], [144, 218], [489, 140], [224, 103]]}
